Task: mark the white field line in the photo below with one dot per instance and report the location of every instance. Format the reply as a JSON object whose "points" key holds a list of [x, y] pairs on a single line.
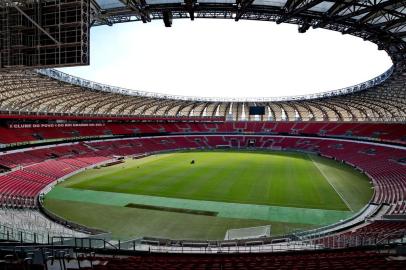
{"points": [[328, 180]]}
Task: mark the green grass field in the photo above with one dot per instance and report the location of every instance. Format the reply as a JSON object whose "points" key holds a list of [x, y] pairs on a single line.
{"points": [[287, 190]]}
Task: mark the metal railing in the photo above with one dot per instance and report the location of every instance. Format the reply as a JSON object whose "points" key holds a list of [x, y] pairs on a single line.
{"points": [[337, 242], [18, 235]]}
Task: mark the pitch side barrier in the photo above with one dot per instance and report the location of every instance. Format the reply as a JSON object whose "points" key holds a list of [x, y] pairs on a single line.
{"points": [[367, 211], [101, 246], [67, 223], [155, 245], [44, 235], [13, 235], [296, 238], [71, 225]]}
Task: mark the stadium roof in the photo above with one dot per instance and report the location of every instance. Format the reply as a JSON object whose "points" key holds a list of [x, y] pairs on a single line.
{"points": [[26, 92], [380, 99], [380, 21]]}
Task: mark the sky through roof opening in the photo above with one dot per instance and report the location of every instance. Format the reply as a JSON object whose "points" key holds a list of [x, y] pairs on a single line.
{"points": [[224, 58]]}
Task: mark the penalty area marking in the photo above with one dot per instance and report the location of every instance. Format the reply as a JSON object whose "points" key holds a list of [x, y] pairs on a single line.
{"points": [[328, 180]]}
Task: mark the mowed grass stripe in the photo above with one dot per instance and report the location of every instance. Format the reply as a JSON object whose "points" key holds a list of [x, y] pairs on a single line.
{"points": [[287, 179]]}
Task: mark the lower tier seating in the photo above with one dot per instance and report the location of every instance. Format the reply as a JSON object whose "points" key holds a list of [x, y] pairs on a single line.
{"points": [[377, 232], [372, 258]]}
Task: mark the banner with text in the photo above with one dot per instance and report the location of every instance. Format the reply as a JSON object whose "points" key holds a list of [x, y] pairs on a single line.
{"points": [[56, 125]]}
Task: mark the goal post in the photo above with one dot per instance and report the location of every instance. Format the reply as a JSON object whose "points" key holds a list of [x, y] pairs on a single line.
{"points": [[248, 233]]}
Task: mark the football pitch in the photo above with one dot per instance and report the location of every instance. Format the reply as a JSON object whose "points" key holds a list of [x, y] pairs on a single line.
{"points": [[201, 194]]}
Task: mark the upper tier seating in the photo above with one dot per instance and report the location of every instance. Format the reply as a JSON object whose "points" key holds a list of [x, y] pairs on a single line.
{"points": [[382, 132]]}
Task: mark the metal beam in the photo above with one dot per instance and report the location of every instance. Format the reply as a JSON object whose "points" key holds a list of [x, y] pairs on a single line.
{"points": [[289, 5], [294, 11], [367, 9], [391, 24], [139, 6], [401, 34], [376, 31], [296, 8], [378, 12], [338, 7], [13, 4], [242, 6], [190, 5]]}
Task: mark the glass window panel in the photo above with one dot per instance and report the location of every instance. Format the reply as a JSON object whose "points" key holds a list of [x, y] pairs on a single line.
{"points": [[401, 10], [278, 3], [380, 19], [360, 16], [155, 2], [106, 4], [217, 1], [322, 7]]}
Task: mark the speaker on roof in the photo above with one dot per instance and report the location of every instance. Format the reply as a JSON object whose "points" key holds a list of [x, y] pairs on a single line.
{"points": [[167, 18]]}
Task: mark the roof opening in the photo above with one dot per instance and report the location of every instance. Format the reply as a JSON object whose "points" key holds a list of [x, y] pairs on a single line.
{"points": [[222, 58]]}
